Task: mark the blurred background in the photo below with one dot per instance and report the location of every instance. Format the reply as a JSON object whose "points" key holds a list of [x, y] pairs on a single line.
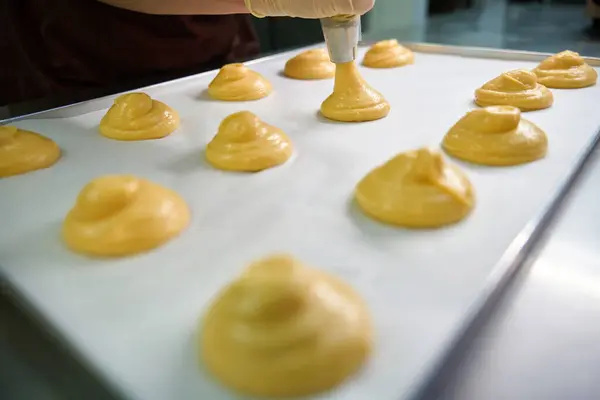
{"points": [[537, 25]]}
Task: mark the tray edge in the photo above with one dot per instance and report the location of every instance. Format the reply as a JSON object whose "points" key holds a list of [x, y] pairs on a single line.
{"points": [[513, 261], [430, 48]]}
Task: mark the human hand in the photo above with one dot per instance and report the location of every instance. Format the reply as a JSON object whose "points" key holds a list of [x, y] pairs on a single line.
{"points": [[313, 9]]}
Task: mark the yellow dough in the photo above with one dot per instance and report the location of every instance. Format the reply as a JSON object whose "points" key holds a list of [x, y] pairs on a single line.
{"points": [[416, 189], [566, 70], [388, 54], [311, 64], [285, 330], [23, 151], [120, 215], [353, 100], [496, 136], [518, 88], [236, 82], [136, 116], [245, 143]]}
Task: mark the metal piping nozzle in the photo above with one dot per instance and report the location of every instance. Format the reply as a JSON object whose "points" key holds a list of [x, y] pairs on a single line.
{"points": [[342, 35]]}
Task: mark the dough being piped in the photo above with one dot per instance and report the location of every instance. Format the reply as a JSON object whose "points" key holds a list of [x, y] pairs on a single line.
{"points": [[353, 100], [310, 65], [416, 189], [120, 215], [388, 54], [23, 151], [283, 329], [236, 82], [496, 136], [245, 143], [136, 116], [517, 88], [566, 70]]}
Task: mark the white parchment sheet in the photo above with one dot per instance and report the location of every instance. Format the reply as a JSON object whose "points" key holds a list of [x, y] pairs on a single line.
{"points": [[135, 318]]}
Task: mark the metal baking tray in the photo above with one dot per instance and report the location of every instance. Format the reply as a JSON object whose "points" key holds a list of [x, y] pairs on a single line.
{"points": [[133, 320]]}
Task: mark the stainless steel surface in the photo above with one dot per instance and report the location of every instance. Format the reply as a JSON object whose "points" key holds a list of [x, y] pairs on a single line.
{"points": [[519, 247], [431, 48], [35, 363], [440, 384], [342, 37], [541, 343], [487, 53]]}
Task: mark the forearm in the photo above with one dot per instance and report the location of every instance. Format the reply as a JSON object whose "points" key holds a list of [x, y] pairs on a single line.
{"points": [[181, 7]]}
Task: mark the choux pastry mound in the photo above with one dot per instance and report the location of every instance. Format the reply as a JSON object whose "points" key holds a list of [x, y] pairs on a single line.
{"points": [[353, 100], [23, 151], [566, 70], [120, 215], [245, 143], [284, 330], [517, 88], [496, 135], [416, 189], [236, 82], [388, 54], [310, 65], [136, 116]]}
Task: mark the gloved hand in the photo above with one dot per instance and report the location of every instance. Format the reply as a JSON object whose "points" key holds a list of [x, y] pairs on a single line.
{"points": [[313, 9]]}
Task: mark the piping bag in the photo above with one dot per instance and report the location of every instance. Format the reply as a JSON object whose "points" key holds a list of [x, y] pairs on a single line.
{"points": [[342, 34]]}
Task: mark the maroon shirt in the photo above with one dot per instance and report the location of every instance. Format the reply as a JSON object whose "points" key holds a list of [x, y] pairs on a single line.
{"points": [[50, 45]]}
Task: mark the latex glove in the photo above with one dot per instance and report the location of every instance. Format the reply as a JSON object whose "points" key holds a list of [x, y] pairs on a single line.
{"points": [[313, 9]]}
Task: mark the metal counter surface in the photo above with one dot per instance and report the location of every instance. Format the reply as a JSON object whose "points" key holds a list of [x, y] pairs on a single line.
{"points": [[541, 342]]}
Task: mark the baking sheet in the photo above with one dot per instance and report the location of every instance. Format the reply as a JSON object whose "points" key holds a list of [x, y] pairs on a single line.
{"points": [[134, 319]]}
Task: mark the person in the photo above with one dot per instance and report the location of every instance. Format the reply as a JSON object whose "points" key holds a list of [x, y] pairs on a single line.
{"points": [[50, 46], [593, 10]]}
